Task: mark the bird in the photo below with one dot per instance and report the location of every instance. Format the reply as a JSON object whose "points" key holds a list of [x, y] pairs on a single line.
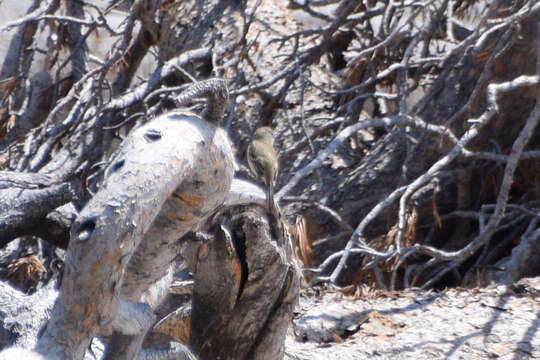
{"points": [[263, 161]]}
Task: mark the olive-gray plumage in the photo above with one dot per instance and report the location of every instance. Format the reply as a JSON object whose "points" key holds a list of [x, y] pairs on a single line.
{"points": [[262, 159]]}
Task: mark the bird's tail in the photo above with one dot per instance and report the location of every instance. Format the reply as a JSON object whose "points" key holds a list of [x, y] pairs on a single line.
{"points": [[277, 218]]}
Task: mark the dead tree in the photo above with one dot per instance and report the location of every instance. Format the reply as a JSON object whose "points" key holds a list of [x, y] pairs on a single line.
{"points": [[472, 103], [430, 109], [407, 130], [166, 178]]}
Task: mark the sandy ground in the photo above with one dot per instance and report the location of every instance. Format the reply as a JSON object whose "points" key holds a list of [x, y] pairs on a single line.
{"points": [[493, 323]]}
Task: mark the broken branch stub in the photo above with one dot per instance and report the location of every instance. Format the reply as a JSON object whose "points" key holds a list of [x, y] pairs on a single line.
{"points": [[167, 177], [243, 310], [216, 93]]}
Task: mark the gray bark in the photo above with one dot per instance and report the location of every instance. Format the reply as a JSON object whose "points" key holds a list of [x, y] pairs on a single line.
{"points": [[23, 208], [22, 316], [152, 174], [457, 95]]}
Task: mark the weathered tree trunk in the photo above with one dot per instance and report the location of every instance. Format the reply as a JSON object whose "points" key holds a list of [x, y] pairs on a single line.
{"points": [[153, 173], [243, 310], [166, 178]]}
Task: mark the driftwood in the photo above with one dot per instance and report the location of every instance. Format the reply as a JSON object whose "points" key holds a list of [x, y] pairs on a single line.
{"points": [[177, 166], [420, 134], [166, 179]]}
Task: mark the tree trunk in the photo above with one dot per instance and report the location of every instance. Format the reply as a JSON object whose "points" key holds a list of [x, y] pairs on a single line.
{"points": [[243, 310]]}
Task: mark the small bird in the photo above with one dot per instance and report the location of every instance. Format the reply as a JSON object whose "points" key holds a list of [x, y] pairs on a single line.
{"points": [[263, 161]]}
